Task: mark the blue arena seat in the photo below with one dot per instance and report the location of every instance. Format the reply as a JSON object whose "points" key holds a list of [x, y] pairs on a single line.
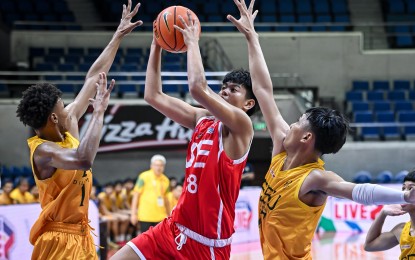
{"points": [[401, 85], [381, 106], [381, 85], [403, 106], [362, 177], [375, 95], [360, 106], [396, 95], [352, 96], [400, 176], [384, 177], [360, 85]]}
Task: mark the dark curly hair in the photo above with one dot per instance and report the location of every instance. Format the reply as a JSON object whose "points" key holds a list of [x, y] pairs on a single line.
{"points": [[243, 77], [37, 103], [330, 128], [410, 176]]}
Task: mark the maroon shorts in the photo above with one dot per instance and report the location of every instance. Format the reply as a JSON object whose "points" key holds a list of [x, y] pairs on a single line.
{"points": [[159, 243]]}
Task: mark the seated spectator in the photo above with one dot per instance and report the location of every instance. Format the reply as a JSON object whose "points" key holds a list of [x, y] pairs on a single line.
{"points": [[21, 194], [7, 187], [35, 193], [248, 175], [174, 195]]}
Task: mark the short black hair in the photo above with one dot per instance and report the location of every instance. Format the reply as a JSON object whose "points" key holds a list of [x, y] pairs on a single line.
{"points": [[330, 127], [243, 77], [410, 176], [37, 103]]}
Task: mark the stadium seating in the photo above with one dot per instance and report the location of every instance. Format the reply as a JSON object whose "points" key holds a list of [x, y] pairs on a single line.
{"points": [[362, 177], [389, 104]]}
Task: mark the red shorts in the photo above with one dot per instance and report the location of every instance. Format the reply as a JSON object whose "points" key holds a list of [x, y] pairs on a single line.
{"points": [[159, 243]]}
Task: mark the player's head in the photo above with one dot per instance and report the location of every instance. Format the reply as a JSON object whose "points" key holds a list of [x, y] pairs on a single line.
{"points": [[239, 82], [40, 104], [118, 186], [326, 127], [109, 188], [330, 127], [128, 184], [158, 163], [177, 191], [407, 185]]}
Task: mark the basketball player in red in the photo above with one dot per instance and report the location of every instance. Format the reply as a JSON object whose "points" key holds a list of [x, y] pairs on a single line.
{"points": [[201, 225]]}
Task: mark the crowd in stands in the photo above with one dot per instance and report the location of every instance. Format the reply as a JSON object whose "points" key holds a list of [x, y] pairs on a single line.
{"points": [[113, 200]]}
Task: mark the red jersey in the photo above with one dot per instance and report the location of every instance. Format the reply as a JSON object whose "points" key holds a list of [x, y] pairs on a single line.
{"points": [[211, 186]]}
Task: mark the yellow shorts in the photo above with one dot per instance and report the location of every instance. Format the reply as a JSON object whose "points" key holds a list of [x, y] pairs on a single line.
{"points": [[64, 241]]}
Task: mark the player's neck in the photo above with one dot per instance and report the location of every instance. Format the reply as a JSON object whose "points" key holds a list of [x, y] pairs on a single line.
{"points": [[298, 159]]}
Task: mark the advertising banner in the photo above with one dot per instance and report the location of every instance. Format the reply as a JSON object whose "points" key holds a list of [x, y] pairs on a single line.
{"points": [[16, 222]]}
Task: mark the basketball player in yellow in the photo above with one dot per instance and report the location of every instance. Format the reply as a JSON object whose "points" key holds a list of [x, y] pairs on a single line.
{"points": [[296, 185], [60, 162], [402, 234]]}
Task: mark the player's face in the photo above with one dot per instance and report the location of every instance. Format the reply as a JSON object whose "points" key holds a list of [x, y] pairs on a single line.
{"points": [[407, 186], [296, 132], [62, 115], [234, 94]]}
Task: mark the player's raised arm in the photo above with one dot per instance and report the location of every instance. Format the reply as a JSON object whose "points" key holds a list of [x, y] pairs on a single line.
{"points": [[222, 106], [103, 63], [173, 108], [50, 156], [261, 80]]}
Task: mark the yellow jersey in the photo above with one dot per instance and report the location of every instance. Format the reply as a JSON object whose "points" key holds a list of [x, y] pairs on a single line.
{"points": [[152, 190], [106, 201], [21, 198], [172, 200], [5, 199], [286, 224], [64, 197], [407, 242]]}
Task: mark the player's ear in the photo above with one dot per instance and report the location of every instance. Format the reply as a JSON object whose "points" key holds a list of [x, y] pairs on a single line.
{"points": [[54, 118], [249, 103]]}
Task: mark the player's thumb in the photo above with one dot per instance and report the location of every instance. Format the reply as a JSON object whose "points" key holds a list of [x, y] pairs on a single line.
{"points": [[231, 19]]}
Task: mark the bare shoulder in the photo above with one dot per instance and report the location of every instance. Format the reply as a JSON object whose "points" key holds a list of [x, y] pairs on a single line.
{"points": [[318, 179]]}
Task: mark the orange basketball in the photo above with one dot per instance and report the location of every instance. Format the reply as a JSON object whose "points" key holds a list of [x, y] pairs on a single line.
{"points": [[168, 37]]}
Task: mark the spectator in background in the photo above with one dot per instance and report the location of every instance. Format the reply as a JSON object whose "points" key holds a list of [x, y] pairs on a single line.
{"points": [[402, 234], [174, 195], [150, 204], [7, 188], [118, 223], [35, 193], [173, 183], [21, 194], [128, 187], [248, 175]]}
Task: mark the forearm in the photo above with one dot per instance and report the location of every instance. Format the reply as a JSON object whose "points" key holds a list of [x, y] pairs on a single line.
{"points": [[376, 229], [89, 144], [196, 73], [153, 86], [261, 78], [106, 58], [372, 194]]}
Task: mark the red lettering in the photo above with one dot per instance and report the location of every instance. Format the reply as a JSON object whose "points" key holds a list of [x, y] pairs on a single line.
{"points": [[336, 212], [363, 212], [353, 209]]}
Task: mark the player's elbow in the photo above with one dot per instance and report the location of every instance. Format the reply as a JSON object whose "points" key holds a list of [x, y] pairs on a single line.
{"points": [[85, 164], [197, 87], [367, 247]]}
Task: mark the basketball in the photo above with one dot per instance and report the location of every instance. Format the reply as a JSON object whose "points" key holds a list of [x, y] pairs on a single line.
{"points": [[165, 34]]}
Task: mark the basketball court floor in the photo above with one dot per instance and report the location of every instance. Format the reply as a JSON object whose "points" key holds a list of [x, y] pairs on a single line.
{"points": [[333, 246]]}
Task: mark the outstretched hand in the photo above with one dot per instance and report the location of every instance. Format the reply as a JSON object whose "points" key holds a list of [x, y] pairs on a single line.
{"points": [[126, 26], [245, 24], [100, 103], [393, 210], [190, 30]]}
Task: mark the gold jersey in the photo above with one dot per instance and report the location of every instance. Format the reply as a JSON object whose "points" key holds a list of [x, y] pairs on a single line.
{"points": [[64, 197], [407, 243], [286, 224]]}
